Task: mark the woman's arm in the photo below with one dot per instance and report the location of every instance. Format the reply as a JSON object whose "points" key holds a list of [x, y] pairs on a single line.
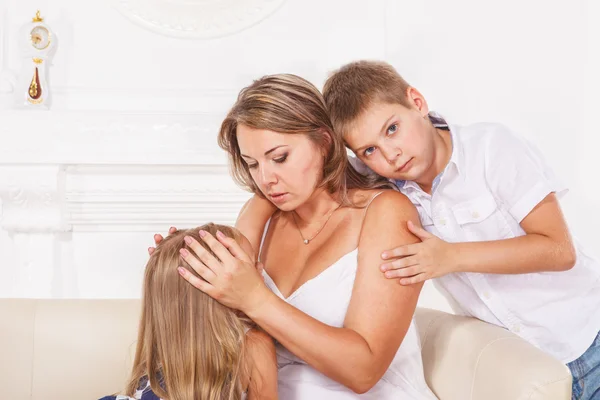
{"points": [[380, 312], [263, 366], [378, 317], [252, 219]]}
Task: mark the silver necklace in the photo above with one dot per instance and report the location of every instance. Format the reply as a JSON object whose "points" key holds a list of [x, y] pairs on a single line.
{"points": [[305, 240]]}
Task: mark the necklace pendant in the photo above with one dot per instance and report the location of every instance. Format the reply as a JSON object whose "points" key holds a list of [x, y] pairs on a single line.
{"points": [[305, 241]]}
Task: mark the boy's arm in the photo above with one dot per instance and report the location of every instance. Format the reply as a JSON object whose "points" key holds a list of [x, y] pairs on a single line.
{"points": [[252, 219], [263, 366], [546, 246], [519, 178]]}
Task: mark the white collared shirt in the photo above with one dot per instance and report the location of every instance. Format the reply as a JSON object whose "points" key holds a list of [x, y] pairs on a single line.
{"points": [[492, 182]]}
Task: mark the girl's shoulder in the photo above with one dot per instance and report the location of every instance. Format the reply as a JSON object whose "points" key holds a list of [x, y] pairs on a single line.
{"points": [[143, 392], [257, 338], [259, 346]]}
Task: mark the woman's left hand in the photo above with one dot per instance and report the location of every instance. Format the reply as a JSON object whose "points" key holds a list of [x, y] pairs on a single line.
{"points": [[232, 279]]}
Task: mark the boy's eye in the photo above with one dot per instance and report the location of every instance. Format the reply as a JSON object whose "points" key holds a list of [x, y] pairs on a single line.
{"points": [[392, 129], [368, 151]]}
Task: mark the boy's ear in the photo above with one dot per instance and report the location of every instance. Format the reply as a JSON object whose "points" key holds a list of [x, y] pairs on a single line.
{"points": [[417, 100]]}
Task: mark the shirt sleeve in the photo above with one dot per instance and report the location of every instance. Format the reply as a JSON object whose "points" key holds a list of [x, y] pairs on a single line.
{"points": [[517, 173]]}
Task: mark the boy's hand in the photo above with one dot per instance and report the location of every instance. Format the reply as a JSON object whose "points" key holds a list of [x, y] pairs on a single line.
{"points": [[418, 262]]}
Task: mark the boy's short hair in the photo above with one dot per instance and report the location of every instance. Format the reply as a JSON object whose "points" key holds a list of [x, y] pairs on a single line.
{"points": [[350, 90]]}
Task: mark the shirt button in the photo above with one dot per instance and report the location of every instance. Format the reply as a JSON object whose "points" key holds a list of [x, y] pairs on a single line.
{"points": [[475, 214], [442, 221], [516, 329], [486, 295]]}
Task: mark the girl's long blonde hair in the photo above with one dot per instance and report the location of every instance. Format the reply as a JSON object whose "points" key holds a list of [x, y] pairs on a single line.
{"points": [[189, 346]]}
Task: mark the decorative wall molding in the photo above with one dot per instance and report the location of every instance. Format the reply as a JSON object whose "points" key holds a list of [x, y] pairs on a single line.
{"points": [[197, 18], [33, 199], [150, 198], [40, 137], [143, 100], [107, 198]]}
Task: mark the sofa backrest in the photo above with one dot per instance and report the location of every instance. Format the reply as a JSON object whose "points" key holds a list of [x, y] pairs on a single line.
{"points": [[83, 349]]}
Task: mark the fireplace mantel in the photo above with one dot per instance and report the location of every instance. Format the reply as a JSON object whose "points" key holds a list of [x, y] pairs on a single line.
{"points": [[74, 184], [82, 137], [103, 171]]}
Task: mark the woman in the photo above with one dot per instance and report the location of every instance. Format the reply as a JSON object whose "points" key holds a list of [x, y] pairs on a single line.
{"points": [[342, 329]]}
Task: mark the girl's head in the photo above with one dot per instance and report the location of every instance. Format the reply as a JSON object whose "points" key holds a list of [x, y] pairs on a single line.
{"points": [[189, 345], [282, 144]]}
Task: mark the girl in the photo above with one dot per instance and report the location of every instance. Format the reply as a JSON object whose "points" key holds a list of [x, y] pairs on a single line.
{"points": [[190, 346]]}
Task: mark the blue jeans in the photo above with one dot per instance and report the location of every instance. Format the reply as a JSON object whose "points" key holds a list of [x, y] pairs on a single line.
{"points": [[586, 373]]}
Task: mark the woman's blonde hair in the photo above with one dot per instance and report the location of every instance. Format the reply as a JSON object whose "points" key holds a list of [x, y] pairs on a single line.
{"points": [[189, 345], [289, 104]]}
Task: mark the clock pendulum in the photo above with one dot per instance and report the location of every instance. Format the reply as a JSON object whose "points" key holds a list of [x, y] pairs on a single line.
{"points": [[38, 45]]}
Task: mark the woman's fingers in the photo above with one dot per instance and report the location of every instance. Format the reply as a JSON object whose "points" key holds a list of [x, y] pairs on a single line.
{"points": [[259, 266], [158, 238], [231, 281], [197, 265], [217, 247], [234, 247], [198, 283], [199, 251]]}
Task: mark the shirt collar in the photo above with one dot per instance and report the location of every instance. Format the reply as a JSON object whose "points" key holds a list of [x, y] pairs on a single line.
{"points": [[455, 158]]}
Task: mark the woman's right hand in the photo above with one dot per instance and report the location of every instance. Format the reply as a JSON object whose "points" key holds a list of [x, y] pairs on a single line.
{"points": [[159, 238], [227, 273]]}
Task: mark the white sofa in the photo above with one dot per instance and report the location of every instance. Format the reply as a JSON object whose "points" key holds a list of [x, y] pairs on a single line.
{"points": [[82, 349]]}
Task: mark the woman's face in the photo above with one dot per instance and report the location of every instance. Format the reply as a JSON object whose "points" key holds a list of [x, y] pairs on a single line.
{"points": [[285, 167]]}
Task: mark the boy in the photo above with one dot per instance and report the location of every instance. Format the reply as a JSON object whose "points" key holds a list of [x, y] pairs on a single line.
{"points": [[494, 235]]}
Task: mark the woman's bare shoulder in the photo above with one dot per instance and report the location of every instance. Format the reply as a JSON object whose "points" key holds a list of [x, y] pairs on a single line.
{"points": [[362, 197], [386, 219], [391, 205]]}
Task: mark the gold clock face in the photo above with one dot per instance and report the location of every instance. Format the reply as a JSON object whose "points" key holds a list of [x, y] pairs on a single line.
{"points": [[40, 37]]}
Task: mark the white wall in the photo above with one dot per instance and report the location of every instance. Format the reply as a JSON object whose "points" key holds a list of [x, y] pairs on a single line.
{"points": [[128, 147]]}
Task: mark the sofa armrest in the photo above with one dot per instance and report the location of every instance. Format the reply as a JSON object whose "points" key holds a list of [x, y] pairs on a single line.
{"points": [[467, 359]]}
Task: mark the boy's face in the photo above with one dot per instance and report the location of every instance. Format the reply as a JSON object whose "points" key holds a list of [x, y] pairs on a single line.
{"points": [[393, 140]]}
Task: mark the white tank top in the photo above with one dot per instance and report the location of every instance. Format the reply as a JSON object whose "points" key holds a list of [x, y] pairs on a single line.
{"points": [[326, 298]]}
